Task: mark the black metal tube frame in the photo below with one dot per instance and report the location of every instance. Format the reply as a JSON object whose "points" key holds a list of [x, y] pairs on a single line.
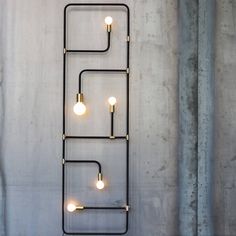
{"points": [[86, 161], [98, 50], [66, 51], [97, 70], [112, 124], [95, 137], [104, 208]]}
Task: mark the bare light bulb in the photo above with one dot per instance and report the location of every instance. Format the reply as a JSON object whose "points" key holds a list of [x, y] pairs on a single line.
{"points": [[71, 207], [79, 108], [108, 20], [112, 101], [100, 184]]}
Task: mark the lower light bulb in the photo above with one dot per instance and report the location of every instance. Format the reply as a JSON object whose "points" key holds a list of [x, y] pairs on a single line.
{"points": [[79, 108], [71, 207], [100, 184]]}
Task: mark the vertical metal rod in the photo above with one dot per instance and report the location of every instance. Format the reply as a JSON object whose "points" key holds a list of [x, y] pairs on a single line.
{"points": [[188, 115], [127, 114], [112, 123], [63, 119], [205, 114]]}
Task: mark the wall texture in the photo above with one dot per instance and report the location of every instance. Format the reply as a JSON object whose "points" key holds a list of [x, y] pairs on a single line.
{"points": [[225, 158], [31, 51], [31, 114]]}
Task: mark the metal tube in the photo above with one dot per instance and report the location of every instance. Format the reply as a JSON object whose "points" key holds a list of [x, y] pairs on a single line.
{"points": [[95, 50], [127, 115], [63, 120], [112, 122], [94, 233], [96, 70], [94, 137], [99, 137], [86, 161], [104, 208]]}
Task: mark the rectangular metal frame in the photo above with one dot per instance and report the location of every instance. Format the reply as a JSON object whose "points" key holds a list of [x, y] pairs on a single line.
{"points": [[64, 136]]}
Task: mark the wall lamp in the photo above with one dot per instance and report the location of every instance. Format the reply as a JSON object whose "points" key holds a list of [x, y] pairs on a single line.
{"points": [[99, 184], [72, 207], [79, 109]]}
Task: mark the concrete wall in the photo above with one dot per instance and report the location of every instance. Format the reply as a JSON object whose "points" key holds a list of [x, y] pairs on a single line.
{"points": [[225, 150], [31, 117]]}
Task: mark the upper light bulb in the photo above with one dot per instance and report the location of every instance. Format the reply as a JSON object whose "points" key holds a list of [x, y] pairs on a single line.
{"points": [[108, 20], [112, 101], [79, 108], [100, 184], [71, 207]]}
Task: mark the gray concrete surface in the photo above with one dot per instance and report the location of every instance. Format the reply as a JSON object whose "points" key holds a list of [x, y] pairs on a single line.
{"points": [[225, 97], [206, 108], [32, 95]]}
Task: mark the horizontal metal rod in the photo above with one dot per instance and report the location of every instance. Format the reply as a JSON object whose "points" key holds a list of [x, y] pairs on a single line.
{"points": [[95, 137], [97, 4], [104, 70], [95, 233], [94, 50], [103, 208], [86, 161], [98, 70]]}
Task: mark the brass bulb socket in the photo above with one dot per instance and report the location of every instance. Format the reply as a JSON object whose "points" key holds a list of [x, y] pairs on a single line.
{"points": [[79, 97], [127, 208], [79, 208], [99, 176], [112, 108], [108, 28]]}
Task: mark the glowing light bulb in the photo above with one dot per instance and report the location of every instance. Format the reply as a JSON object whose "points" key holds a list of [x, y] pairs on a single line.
{"points": [[108, 20], [112, 101], [100, 184], [71, 207], [79, 108]]}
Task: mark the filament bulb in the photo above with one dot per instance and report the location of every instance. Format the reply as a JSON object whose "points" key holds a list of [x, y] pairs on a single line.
{"points": [[100, 184], [79, 108], [108, 20], [71, 207], [112, 101]]}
